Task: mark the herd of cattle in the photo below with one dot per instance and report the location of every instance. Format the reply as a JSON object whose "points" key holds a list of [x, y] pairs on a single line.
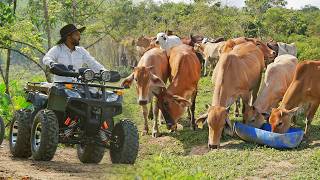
{"points": [[237, 67]]}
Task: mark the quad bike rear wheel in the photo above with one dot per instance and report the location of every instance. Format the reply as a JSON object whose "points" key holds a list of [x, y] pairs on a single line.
{"points": [[19, 134], [124, 143], [2, 129], [44, 135]]}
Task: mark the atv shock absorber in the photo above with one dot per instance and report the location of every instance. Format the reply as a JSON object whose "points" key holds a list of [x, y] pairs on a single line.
{"points": [[71, 125], [102, 133]]}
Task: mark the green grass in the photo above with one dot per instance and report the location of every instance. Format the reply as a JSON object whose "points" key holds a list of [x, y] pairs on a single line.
{"points": [[174, 156]]}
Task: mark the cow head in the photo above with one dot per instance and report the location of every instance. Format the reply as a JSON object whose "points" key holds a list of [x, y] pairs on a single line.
{"points": [[161, 38], [144, 44], [268, 53], [253, 117], [199, 47], [171, 106], [146, 83], [217, 116], [274, 46], [280, 119], [228, 46]]}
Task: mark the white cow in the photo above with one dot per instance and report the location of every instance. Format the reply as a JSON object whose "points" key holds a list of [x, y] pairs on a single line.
{"points": [[283, 48], [287, 49], [210, 52], [167, 42]]}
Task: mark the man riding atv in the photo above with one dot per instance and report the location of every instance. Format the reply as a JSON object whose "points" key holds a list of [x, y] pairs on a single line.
{"points": [[68, 52], [77, 108]]}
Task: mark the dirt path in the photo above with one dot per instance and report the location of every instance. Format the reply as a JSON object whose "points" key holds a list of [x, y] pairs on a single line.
{"points": [[65, 165]]}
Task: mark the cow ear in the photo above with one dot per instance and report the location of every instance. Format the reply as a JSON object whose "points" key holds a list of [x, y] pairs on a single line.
{"points": [[181, 101], [156, 81], [126, 83]]}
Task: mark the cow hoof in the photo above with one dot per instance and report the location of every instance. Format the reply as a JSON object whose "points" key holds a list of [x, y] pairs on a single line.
{"points": [[193, 127], [211, 147], [306, 138], [155, 134], [144, 133]]}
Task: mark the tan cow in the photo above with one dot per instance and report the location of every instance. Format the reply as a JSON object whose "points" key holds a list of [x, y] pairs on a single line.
{"points": [[278, 77], [150, 76], [185, 74], [238, 73], [304, 89], [211, 53]]}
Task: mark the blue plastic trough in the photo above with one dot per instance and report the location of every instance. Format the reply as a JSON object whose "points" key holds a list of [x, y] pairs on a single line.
{"points": [[264, 136]]}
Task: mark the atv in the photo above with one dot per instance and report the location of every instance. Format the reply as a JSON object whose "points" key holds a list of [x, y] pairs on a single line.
{"points": [[2, 129], [74, 113]]}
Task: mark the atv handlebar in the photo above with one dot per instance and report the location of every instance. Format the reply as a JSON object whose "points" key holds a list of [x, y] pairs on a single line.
{"points": [[62, 70]]}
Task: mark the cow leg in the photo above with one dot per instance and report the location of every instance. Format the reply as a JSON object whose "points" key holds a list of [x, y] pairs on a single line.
{"points": [[206, 61], [255, 90], [192, 109], [145, 117], [245, 106], [310, 114], [236, 111], [155, 129], [150, 114]]}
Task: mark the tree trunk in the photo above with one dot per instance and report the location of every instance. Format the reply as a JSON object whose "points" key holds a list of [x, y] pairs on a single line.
{"points": [[47, 23], [6, 80], [74, 8]]}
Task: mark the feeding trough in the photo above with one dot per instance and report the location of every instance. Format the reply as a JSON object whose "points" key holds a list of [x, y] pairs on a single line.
{"points": [[264, 136]]}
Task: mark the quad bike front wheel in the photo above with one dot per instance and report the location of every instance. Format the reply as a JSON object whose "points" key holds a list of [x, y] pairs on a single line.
{"points": [[90, 153], [124, 144], [2, 129], [19, 134], [44, 135]]}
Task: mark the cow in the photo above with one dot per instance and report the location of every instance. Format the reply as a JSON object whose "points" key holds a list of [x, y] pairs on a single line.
{"points": [[150, 76], [238, 73], [192, 39], [278, 77], [167, 42], [145, 43], [283, 48], [185, 74], [303, 90], [210, 52]]}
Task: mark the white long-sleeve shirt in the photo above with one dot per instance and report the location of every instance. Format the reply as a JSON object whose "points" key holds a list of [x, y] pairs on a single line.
{"points": [[78, 58]]}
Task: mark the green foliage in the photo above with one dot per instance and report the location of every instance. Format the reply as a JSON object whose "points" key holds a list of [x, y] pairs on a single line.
{"points": [[17, 101], [7, 15]]}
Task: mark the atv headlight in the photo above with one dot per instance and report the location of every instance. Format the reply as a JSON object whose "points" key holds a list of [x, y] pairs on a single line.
{"points": [[112, 97], [106, 76], [71, 93], [88, 74]]}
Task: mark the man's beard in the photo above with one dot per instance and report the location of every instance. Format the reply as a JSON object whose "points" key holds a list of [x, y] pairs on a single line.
{"points": [[76, 43]]}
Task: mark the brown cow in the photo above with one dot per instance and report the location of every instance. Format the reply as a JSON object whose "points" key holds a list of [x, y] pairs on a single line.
{"points": [[278, 77], [238, 73], [145, 43], [185, 74], [304, 89], [150, 76]]}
